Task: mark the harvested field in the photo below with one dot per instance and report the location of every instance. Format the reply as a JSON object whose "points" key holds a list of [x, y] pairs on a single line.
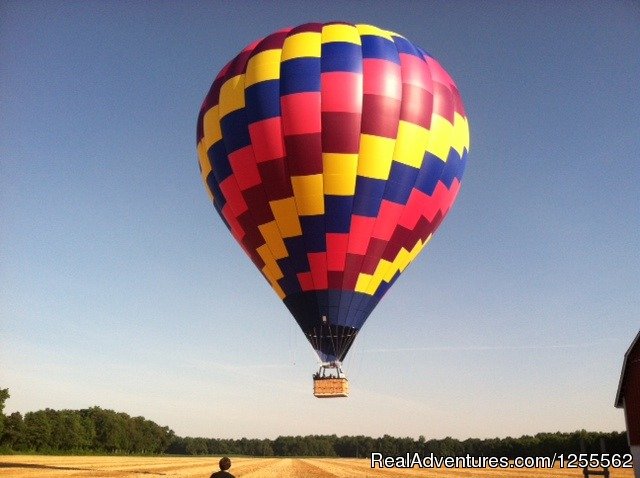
{"points": [[28, 466]]}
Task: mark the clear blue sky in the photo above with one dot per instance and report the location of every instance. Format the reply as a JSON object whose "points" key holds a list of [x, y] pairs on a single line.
{"points": [[120, 286]]}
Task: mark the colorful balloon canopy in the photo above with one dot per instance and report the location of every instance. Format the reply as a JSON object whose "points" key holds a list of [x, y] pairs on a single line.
{"points": [[332, 152]]}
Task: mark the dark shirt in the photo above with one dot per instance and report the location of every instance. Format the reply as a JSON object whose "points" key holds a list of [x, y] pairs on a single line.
{"points": [[222, 474]]}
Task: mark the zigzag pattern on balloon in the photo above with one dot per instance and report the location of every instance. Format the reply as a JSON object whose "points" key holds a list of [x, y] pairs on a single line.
{"points": [[332, 152]]}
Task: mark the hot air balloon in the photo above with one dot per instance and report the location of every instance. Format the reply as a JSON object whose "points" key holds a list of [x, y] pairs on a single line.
{"points": [[332, 153]]}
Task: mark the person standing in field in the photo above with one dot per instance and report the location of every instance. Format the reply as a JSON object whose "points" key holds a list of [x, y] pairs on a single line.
{"points": [[225, 464]]}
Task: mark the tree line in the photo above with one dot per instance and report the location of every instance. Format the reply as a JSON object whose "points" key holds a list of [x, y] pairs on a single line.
{"points": [[96, 430], [541, 444]]}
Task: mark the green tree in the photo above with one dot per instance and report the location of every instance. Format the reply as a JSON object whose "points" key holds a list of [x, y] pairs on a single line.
{"points": [[70, 431], [4, 395], [387, 445], [178, 446], [88, 430], [111, 435], [37, 430], [196, 446], [265, 448], [13, 437]]}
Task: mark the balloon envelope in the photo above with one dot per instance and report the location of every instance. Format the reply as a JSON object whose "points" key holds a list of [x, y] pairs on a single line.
{"points": [[332, 152]]}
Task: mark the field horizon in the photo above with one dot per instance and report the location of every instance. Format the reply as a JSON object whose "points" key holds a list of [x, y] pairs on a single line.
{"points": [[35, 466]]}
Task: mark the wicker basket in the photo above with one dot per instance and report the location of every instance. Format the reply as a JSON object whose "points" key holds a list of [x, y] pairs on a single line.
{"points": [[330, 387]]}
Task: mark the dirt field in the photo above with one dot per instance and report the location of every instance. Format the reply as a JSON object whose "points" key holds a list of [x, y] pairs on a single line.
{"points": [[18, 466]]}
